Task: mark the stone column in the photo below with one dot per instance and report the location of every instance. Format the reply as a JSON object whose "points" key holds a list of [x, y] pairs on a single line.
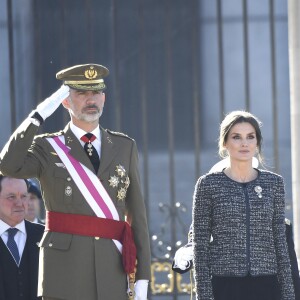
{"points": [[294, 65]]}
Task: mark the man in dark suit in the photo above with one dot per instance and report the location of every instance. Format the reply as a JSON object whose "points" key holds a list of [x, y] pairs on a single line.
{"points": [[183, 259], [90, 178], [19, 251]]}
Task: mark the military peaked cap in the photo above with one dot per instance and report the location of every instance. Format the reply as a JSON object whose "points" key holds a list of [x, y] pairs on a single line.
{"points": [[87, 77]]}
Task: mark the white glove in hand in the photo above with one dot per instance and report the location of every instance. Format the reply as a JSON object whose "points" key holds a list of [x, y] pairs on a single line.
{"points": [[182, 257], [141, 289], [49, 105]]}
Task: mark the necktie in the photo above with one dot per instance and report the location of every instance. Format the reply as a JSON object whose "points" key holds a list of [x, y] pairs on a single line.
{"points": [[12, 245], [90, 150]]}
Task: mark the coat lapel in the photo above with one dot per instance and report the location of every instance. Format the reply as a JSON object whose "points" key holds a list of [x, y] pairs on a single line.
{"points": [[108, 151], [76, 149]]}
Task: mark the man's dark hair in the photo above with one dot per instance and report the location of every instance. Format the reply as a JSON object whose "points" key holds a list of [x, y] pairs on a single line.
{"points": [[2, 177]]}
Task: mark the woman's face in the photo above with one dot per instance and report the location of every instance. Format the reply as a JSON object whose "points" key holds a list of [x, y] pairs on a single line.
{"points": [[241, 142]]}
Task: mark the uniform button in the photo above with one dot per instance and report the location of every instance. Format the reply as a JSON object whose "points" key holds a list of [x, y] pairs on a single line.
{"points": [[50, 244], [22, 135], [20, 272], [97, 238], [69, 179]]}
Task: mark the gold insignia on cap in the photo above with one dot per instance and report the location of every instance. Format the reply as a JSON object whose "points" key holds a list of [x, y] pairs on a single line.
{"points": [[90, 73], [113, 181]]}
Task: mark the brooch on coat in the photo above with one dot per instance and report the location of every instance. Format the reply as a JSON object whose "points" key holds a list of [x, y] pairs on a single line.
{"points": [[121, 181], [258, 191]]}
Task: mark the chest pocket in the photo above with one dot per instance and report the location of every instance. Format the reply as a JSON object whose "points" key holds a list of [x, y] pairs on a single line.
{"points": [[65, 188]]}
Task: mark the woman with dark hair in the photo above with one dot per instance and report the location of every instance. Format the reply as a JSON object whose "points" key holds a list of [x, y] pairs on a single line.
{"points": [[240, 250]]}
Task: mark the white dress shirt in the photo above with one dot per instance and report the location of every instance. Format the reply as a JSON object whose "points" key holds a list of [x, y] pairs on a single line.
{"points": [[20, 236], [78, 132]]}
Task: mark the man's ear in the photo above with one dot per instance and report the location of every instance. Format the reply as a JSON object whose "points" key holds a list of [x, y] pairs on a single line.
{"points": [[65, 103]]}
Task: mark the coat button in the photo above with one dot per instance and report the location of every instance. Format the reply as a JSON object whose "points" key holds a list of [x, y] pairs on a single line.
{"points": [[50, 244]]}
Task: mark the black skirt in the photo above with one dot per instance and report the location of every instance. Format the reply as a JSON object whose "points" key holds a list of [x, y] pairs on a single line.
{"points": [[246, 288]]}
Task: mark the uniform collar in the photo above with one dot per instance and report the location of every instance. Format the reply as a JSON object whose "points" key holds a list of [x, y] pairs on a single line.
{"points": [[78, 132]]}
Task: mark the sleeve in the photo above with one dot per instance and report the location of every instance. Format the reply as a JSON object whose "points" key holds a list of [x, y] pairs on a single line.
{"points": [[17, 158], [137, 217], [283, 261], [293, 259], [202, 209]]}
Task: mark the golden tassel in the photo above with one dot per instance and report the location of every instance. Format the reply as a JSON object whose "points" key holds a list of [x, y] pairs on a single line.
{"points": [[131, 281], [130, 292]]}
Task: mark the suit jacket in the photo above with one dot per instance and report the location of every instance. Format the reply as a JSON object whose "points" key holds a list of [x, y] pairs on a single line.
{"points": [[73, 266], [31, 255]]}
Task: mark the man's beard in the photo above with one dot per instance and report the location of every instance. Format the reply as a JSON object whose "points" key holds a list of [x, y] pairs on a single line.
{"points": [[88, 117]]}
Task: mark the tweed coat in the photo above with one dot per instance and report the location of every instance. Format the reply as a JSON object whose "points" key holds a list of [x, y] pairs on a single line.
{"points": [[71, 266], [291, 250], [239, 229], [293, 259]]}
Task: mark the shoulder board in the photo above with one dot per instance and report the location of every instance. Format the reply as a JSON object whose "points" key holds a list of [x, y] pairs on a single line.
{"points": [[287, 221], [118, 134], [46, 135]]}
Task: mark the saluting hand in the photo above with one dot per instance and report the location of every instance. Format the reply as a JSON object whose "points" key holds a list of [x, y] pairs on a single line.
{"points": [[49, 105]]}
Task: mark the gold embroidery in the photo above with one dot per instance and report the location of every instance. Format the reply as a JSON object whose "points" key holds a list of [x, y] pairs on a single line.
{"points": [[90, 73]]}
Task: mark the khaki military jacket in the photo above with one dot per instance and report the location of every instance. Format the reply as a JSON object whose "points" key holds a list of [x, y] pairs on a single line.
{"points": [[77, 267]]}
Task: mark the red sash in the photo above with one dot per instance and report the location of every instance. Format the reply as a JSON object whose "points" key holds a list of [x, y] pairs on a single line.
{"points": [[96, 227]]}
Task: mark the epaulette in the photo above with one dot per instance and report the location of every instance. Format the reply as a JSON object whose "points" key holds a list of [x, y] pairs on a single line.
{"points": [[46, 135], [119, 134], [287, 221]]}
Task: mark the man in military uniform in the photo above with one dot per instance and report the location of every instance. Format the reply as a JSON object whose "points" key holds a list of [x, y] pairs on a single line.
{"points": [[96, 242]]}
